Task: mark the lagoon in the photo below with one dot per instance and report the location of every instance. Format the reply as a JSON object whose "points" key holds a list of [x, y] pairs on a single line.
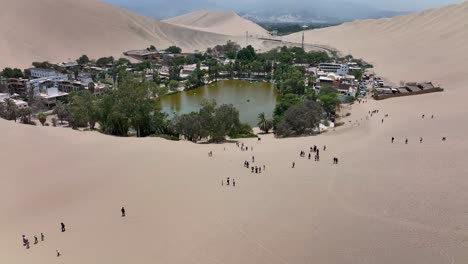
{"points": [[250, 98]]}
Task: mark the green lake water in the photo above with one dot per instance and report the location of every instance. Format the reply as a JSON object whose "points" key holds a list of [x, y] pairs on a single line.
{"points": [[249, 98]]}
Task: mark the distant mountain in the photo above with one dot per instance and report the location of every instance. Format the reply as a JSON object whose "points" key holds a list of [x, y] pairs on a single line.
{"points": [[294, 11], [316, 12]]}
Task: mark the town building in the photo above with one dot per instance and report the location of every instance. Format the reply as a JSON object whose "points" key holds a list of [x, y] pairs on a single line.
{"points": [[20, 104], [49, 96], [41, 73], [45, 82], [17, 85], [67, 86], [340, 69]]}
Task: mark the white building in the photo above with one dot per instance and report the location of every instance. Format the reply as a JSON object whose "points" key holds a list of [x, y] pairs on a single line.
{"points": [[50, 95], [45, 82], [20, 104], [42, 73], [340, 69]]}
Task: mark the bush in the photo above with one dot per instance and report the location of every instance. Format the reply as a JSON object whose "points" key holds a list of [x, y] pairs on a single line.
{"points": [[167, 137]]}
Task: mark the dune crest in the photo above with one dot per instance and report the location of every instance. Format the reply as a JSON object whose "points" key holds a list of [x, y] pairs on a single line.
{"points": [[221, 22], [62, 30]]}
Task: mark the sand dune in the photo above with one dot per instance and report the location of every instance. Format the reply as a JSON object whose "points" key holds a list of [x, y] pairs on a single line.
{"points": [[431, 45], [61, 30], [221, 22], [384, 203]]}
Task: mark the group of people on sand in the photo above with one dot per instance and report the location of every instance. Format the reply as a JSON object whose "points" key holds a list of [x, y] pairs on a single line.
{"points": [[243, 147], [228, 182], [36, 240], [421, 138], [62, 229], [254, 169], [316, 151]]}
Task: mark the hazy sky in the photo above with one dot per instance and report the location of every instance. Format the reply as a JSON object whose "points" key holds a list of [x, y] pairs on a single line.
{"points": [[395, 5], [407, 5]]}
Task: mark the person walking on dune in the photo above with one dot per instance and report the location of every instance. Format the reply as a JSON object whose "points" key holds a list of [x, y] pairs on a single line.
{"points": [[293, 164], [227, 181], [42, 237], [421, 140], [35, 240], [62, 225], [406, 141], [25, 241], [393, 139], [123, 211], [233, 183]]}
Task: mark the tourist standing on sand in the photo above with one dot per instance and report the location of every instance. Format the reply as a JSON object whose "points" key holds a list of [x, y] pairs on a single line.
{"points": [[35, 240], [25, 241], [310, 155], [253, 159], [58, 253], [62, 225], [406, 141], [293, 164], [233, 183], [421, 140], [42, 237], [325, 148], [393, 139], [227, 181], [123, 211]]}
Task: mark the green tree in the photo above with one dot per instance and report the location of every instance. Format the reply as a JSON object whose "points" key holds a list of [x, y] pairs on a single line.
{"points": [[247, 54], [42, 118], [42, 65], [174, 50], [264, 124], [24, 115], [300, 119], [61, 111], [11, 109], [91, 87], [357, 74], [102, 62], [173, 84], [328, 98], [83, 60], [12, 73]]}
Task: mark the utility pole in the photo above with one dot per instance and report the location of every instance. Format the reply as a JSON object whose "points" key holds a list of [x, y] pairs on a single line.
{"points": [[303, 40], [303, 33]]}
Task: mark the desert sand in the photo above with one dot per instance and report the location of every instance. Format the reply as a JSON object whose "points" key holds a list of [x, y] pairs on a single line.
{"points": [[63, 30], [383, 203], [221, 22]]}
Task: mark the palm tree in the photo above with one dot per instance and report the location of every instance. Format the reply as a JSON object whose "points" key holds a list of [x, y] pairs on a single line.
{"points": [[11, 109], [24, 114], [264, 124], [42, 118], [61, 111]]}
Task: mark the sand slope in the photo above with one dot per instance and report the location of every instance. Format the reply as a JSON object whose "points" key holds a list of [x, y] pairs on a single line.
{"points": [[58, 30], [429, 45], [221, 22]]}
